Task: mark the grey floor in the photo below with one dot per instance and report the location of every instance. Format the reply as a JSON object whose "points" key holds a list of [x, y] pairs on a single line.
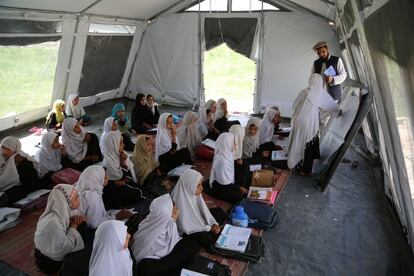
{"points": [[350, 229]]}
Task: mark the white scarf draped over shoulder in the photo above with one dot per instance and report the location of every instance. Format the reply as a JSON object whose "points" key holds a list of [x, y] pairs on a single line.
{"points": [[251, 143], [222, 170], [188, 133], [109, 257], [267, 127], [305, 117], [112, 157], [238, 132], [75, 111], [107, 127], [49, 158], [9, 176], [163, 140], [90, 189], [157, 234], [194, 214], [53, 237], [74, 143]]}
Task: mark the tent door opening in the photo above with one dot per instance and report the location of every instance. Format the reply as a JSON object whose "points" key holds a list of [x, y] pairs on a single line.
{"points": [[229, 72]]}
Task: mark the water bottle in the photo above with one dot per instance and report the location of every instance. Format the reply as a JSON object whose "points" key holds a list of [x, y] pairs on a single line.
{"points": [[239, 217]]}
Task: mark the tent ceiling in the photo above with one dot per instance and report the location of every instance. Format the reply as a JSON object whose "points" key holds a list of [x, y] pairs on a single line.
{"points": [[145, 9]]}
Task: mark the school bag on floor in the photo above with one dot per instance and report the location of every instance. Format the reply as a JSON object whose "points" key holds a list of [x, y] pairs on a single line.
{"points": [[261, 215], [207, 266], [254, 251]]}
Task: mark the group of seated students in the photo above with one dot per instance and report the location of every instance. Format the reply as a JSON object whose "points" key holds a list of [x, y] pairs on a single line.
{"points": [[179, 222]]}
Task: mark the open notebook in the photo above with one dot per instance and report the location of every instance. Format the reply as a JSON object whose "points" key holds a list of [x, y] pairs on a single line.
{"points": [[234, 238]]}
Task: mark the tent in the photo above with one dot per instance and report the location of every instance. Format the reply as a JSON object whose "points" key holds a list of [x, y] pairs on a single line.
{"points": [[110, 49]]}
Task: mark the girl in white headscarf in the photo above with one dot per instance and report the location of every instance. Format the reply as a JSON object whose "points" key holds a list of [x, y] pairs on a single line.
{"points": [[75, 110], [168, 150], [18, 175], [121, 191], [56, 232], [90, 188], [110, 254], [251, 139], [267, 129], [211, 106], [158, 247], [241, 167], [195, 219], [188, 133], [82, 147], [110, 124], [222, 178], [303, 139], [49, 155], [220, 116]]}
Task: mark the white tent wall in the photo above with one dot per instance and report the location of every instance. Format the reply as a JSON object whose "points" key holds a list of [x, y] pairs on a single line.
{"points": [[370, 69], [168, 61], [288, 56]]}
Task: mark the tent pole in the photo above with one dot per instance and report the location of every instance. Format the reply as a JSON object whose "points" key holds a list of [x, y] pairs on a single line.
{"points": [[258, 92], [90, 6], [200, 59], [290, 4], [68, 71]]}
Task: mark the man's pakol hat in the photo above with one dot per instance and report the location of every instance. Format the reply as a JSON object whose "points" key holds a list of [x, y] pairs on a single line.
{"points": [[319, 45]]}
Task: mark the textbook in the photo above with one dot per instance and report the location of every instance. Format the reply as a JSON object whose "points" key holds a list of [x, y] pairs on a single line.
{"points": [[279, 155], [209, 143], [179, 170], [266, 195], [234, 238], [330, 72], [186, 272], [31, 197], [255, 167]]}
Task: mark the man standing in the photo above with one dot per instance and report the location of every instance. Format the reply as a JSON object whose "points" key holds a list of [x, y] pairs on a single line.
{"points": [[324, 62]]}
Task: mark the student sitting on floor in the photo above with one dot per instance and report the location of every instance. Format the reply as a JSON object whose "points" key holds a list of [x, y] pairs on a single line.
{"points": [[121, 191], [188, 133], [124, 126], [90, 188], [220, 116], [56, 116], [204, 123], [168, 151], [158, 248], [241, 167], [251, 139], [211, 106], [110, 254], [82, 147], [145, 166], [18, 177], [266, 132], [75, 110], [222, 172], [49, 156], [141, 117], [304, 140], [195, 219], [153, 107], [58, 233], [110, 124]]}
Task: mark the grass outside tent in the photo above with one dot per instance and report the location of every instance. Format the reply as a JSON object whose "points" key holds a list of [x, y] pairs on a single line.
{"points": [[26, 76]]}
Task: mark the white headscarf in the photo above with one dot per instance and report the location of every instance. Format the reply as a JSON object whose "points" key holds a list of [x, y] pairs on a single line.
{"points": [[209, 104], [75, 111], [74, 143], [163, 138], [107, 127], [251, 143], [157, 233], [267, 127], [48, 157], [238, 132], [203, 122], [188, 133], [90, 188], [219, 112], [109, 257], [53, 237], [194, 214], [305, 117], [222, 170], [9, 177], [112, 160]]}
